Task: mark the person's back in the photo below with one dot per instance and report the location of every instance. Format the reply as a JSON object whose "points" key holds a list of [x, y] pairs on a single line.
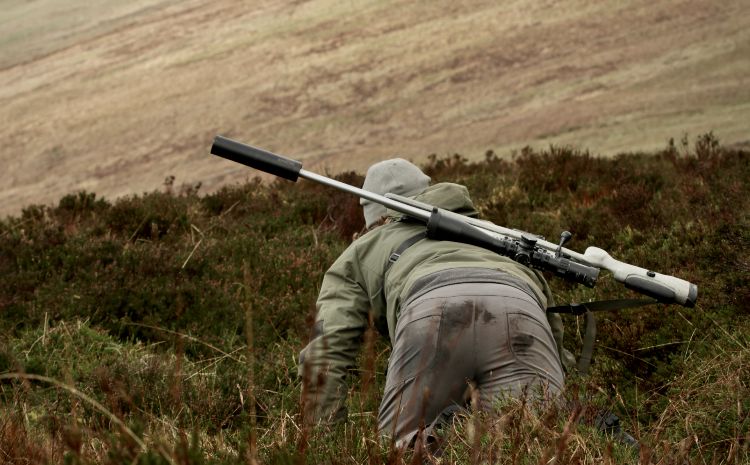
{"points": [[455, 313]]}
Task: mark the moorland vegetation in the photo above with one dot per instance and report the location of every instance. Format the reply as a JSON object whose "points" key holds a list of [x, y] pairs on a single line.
{"points": [[165, 327]]}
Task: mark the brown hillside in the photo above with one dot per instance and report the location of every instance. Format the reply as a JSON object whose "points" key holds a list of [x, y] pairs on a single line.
{"points": [[112, 98]]}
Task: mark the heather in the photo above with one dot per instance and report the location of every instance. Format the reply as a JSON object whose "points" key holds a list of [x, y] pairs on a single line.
{"points": [[164, 327]]}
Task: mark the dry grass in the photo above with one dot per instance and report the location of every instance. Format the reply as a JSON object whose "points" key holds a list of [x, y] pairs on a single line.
{"points": [[113, 98], [38, 427]]}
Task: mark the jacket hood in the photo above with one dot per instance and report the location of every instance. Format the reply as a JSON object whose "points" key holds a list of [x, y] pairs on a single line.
{"points": [[396, 176], [446, 195]]}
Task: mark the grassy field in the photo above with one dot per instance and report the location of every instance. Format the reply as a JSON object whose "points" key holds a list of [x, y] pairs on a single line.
{"points": [[165, 327], [113, 97], [154, 298]]}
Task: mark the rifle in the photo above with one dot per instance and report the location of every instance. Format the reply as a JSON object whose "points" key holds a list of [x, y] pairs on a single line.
{"points": [[528, 249]]}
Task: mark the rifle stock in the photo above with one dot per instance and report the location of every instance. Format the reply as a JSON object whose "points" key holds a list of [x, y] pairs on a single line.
{"points": [[664, 288]]}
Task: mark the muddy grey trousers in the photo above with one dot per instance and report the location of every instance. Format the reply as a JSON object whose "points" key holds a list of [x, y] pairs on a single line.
{"points": [[491, 335]]}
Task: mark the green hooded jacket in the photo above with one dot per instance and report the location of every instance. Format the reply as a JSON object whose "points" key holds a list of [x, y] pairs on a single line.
{"points": [[357, 286]]}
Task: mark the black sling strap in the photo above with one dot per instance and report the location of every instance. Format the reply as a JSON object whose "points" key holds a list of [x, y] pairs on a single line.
{"points": [[599, 305], [402, 248], [587, 310], [392, 259]]}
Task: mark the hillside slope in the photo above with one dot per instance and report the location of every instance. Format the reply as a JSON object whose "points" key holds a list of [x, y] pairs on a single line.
{"points": [[116, 96], [184, 315]]}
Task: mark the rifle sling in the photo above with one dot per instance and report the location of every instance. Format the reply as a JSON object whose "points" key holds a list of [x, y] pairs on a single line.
{"points": [[600, 305], [587, 310]]}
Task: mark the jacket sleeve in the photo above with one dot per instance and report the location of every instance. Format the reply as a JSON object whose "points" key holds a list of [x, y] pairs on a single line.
{"points": [[340, 323]]}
